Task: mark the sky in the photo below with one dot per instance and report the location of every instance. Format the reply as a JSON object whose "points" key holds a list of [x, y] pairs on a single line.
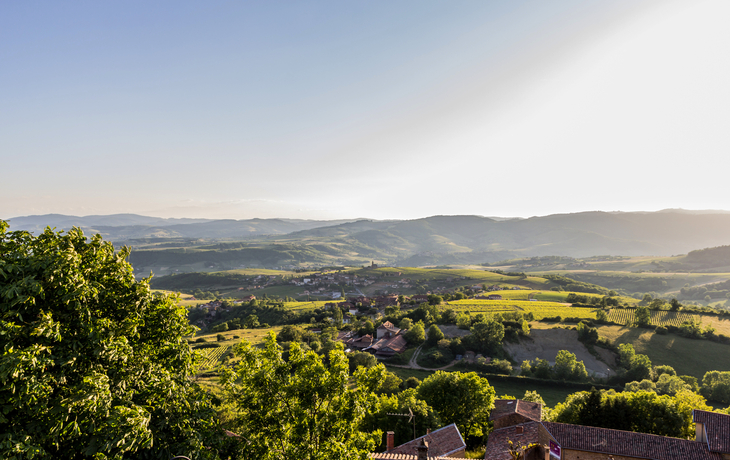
{"points": [[374, 109]]}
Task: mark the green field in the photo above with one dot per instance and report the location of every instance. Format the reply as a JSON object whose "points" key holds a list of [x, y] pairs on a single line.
{"points": [[539, 309], [512, 387], [686, 356]]}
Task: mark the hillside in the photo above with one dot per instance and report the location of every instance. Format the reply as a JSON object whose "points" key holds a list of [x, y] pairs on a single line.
{"points": [[180, 245]]}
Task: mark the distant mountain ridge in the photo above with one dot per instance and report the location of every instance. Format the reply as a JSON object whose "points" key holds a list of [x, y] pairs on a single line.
{"points": [[121, 227], [432, 240]]}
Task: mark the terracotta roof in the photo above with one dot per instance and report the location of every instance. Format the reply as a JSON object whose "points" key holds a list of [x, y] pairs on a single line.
{"points": [[397, 344], [389, 456], [497, 446], [503, 407], [627, 443], [441, 442], [717, 427], [362, 342]]}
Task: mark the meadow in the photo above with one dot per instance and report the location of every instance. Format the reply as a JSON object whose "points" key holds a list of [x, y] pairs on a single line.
{"points": [[687, 356]]}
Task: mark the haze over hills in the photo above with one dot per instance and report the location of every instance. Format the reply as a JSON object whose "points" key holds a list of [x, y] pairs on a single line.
{"points": [[436, 240]]}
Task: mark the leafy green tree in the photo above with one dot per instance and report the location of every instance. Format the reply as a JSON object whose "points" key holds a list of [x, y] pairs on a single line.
{"points": [[643, 316], [434, 335], [338, 317], [416, 334], [251, 322], [488, 335], [302, 408], [92, 363], [402, 403], [641, 411], [716, 386], [462, 398]]}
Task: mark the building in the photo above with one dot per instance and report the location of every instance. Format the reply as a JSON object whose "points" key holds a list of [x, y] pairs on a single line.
{"points": [[520, 422], [445, 442]]}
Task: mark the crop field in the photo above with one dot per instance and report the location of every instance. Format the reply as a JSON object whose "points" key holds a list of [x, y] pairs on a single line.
{"points": [[671, 318], [306, 306], [210, 357], [538, 309]]}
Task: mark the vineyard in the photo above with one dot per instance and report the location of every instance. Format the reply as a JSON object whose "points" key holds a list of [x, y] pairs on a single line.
{"points": [[210, 357], [671, 318], [538, 309]]}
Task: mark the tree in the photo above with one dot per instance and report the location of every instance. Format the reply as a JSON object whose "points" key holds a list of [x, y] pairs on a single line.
{"points": [[251, 322], [401, 403], [92, 363], [488, 335], [416, 334], [643, 316], [338, 317], [462, 398], [434, 335], [301, 408]]}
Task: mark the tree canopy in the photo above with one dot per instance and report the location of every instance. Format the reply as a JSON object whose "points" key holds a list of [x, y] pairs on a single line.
{"points": [[301, 408], [92, 363], [462, 398]]}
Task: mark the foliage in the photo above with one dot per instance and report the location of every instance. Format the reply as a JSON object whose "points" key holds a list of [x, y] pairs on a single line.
{"points": [[641, 411], [462, 398], [434, 335], [301, 408], [642, 316], [93, 363], [488, 335], [401, 403], [716, 386], [415, 334]]}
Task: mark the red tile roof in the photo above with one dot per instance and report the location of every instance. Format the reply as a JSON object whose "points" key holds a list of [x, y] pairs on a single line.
{"points": [[627, 443], [442, 442], [504, 407], [389, 456], [497, 445], [717, 427]]}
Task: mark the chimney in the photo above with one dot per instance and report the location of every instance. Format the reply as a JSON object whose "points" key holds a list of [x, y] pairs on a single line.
{"points": [[389, 440], [700, 432], [422, 450], [428, 430]]}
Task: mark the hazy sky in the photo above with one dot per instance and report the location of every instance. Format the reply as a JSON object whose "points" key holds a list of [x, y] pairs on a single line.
{"points": [[381, 109]]}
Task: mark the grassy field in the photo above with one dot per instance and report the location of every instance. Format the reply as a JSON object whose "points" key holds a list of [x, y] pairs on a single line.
{"points": [[686, 356], [463, 276], [514, 387]]}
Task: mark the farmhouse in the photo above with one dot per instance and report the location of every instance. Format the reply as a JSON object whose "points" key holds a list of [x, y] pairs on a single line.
{"points": [[494, 297], [520, 422]]}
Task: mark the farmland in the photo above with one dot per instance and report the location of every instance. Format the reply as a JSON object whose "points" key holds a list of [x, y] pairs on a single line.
{"points": [[671, 318], [210, 357], [540, 310]]}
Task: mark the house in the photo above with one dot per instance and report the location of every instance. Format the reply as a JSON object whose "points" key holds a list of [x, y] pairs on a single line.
{"points": [[508, 412], [388, 347], [419, 298], [494, 297], [387, 330], [519, 422], [445, 442], [360, 343]]}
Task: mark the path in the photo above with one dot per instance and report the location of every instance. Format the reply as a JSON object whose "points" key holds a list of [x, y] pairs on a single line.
{"points": [[413, 364]]}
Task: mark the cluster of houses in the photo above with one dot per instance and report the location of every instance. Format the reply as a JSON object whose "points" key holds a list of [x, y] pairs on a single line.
{"points": [[388, 341], [520, 422]]}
